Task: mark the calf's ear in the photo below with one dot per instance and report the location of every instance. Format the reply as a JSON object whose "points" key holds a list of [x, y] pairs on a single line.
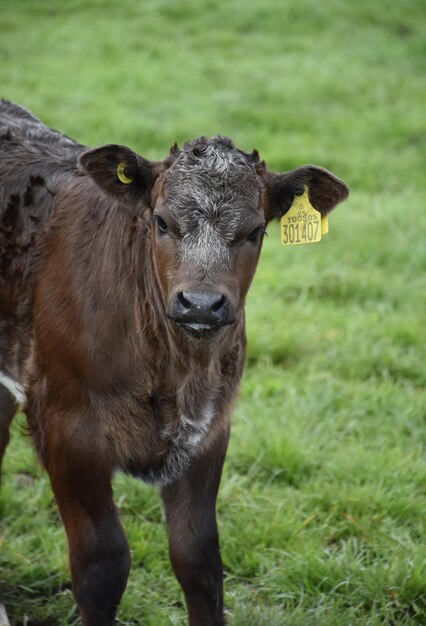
{"points": [[119, 171], [325, 190]]}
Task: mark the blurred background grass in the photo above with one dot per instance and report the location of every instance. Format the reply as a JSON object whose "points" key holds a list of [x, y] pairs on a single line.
{"points": [[322, 506]]}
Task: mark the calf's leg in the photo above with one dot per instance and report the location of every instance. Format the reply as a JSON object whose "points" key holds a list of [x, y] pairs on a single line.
{"points": [[98, 549], [193, 536]]}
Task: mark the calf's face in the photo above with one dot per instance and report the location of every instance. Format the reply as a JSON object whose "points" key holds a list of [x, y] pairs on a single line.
{"points": [[210, 205], [208, 226]]}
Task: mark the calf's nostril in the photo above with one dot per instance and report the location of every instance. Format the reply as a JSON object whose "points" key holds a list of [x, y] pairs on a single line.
{"points": [[219, 304], [183, 301]]}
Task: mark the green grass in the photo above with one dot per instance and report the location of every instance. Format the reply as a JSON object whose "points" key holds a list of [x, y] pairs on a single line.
{"points": [[322, 506]]}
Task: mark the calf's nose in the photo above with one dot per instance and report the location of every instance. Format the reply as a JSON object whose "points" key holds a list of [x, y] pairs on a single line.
{"points": [[211, 309]]}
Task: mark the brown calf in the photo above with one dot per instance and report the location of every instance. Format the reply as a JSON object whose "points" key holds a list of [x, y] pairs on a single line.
{"points": [[122, 289]]}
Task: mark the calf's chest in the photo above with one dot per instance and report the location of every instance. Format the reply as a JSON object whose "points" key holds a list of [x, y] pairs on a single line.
{"points": [[178, 432]]}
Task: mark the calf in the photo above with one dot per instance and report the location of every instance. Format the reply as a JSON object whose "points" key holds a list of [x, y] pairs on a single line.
{"points": [[122, 289]]}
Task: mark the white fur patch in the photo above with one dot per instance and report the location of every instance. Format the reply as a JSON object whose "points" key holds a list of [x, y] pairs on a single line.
{"points": [[14, 387], [3, 616], [205, 248], [197, 429], [184, 442]]}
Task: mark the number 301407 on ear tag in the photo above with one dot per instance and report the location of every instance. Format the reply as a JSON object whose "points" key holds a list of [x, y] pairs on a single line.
{"points": [[302, 223]]}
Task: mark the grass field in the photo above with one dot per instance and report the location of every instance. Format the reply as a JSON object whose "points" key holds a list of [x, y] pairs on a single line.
{"points": [[322, 507]]}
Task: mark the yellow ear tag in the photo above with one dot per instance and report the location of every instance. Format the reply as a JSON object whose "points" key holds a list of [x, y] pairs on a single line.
{"points": [[302, 223], [324, 225], [121, 175]]}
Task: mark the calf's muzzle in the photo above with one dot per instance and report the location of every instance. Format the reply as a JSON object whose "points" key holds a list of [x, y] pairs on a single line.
{"points": [[201, 311]]}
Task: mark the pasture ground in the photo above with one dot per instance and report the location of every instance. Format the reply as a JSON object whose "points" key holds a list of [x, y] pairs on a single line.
{"points": [[322, 507]]}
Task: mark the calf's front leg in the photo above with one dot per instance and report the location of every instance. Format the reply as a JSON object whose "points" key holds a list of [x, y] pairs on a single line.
{"points": [[98, 549], [193, 537]]}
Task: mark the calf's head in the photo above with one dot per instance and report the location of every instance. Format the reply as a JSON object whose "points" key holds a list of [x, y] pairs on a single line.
{"points": [[210, 206]]}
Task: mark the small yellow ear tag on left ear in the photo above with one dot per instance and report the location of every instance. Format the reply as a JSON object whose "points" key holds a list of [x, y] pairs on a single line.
{"points": [[302, 223], [121, 175]]}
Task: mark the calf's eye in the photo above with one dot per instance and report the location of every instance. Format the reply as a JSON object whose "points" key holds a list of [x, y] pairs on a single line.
{"points": [[161, 225], [254, 235]]}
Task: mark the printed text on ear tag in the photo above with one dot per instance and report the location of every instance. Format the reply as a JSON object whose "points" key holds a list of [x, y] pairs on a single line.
{"points": [[302, 223]]}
